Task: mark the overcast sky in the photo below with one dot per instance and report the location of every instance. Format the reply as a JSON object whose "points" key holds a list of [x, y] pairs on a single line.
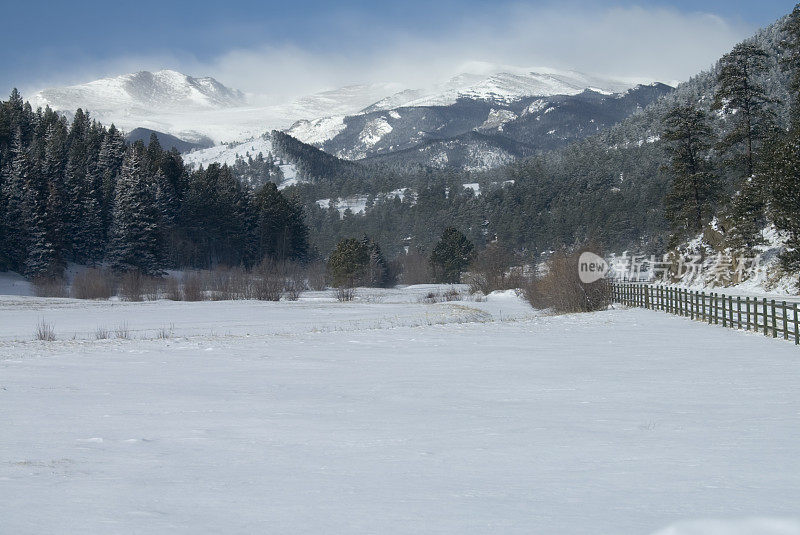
{"points": [[300, 46]]}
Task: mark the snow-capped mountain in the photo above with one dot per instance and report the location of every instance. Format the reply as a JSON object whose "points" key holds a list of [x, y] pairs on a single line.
{"points": [[351, 122], [194, 108], [504, 87], [445, 135], [142, 92]]}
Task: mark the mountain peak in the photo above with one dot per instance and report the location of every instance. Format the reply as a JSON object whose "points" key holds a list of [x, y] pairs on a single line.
{"points": [[142, 90]]}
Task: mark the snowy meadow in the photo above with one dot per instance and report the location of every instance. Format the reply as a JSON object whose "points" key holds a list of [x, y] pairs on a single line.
{"points": [[390, 414]]}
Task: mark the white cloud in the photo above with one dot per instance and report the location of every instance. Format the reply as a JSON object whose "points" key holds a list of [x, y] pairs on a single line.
{"points": [[634, 42]]}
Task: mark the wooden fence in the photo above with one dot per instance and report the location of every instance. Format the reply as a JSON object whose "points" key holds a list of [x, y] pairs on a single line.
{"points": [[773, 318]]}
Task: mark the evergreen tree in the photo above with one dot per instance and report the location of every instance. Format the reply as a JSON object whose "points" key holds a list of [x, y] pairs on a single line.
{"points": [[694, 190], [784, 174], [790, 51], [740, 95], [14, 197], [451, 256], [783, 170], [281, 233], [348, 263], [136, 240], [109, 165], [377, 271]]}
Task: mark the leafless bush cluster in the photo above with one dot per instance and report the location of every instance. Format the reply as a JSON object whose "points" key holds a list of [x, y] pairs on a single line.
{"points": [[561, 290], [316, 273], [442, 297], [413, 268], [494, 268], [345, 293], [269, 281], [50, 287], [45, 331], [93, 284], [134, 286]]}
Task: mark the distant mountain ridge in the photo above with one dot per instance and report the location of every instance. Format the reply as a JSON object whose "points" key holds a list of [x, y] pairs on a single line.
{"points": [[446, 136]]}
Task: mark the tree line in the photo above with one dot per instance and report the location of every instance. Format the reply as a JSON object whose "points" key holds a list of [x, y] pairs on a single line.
{"points": [[746, 176], [77, 192]]}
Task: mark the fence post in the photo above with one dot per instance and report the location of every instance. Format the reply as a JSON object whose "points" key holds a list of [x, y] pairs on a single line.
{"points": [[723, 311], [774, 331], [730, 311], [764, 310], [715, 308], [747, 302], [785, 322], [796, 328], [739, 312], [703, 306]]}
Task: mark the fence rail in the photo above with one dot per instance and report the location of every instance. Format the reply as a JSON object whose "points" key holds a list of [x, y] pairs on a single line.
{"points": [[773, 318]]}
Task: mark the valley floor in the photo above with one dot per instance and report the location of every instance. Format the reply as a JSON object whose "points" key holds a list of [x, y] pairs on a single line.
{"points": [[388, 415]]}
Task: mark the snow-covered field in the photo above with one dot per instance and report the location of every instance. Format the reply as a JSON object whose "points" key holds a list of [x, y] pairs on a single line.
{"points": [[388, 415]]}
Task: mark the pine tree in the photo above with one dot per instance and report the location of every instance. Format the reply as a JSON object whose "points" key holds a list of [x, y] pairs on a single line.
{"points": [[348, 263], [451, 256], [742, 97], [790, 61], [109, 165], [783, 169], [694, 190], [377, 271], [14, 197], [784, 178], [281, 233], [136, 240]]}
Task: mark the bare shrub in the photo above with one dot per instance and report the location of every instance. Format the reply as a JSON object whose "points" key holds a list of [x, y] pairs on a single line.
{"points": [[50, 287], [268, 281], [151, 288], [451, 294], [491, 270], [562, 291], [267, 287], [93, 284], [315, 276], [45, 331], [239, 284], [414, 268], [122, 332], [227, 283], [165, 333], [193, 286], [172, 289], [132, 286], [292, 288], [294, 281], [345, 293], [101, 333]]}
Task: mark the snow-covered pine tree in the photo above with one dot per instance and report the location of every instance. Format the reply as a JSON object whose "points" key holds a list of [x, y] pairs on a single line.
{"points": [[109, 164], [790, 49], [783, 168], [744, 100], [136, 238]]}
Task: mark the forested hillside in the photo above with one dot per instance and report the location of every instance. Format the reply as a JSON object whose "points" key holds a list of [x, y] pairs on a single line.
{"points": [[77, 192]]}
